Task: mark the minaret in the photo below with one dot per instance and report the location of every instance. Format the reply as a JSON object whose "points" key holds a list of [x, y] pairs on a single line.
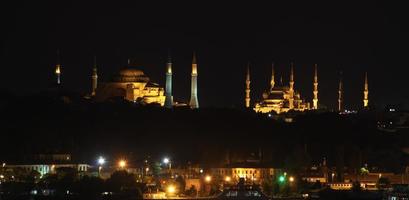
{"points": [[315, 92], [366, 91], [94, 77], [247, 91], [291, 100], [272, 82], [340, 94], [194, 102], [58, 68], [169, 97]]}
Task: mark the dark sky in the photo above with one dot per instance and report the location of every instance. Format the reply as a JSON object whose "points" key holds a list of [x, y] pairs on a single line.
{"points": [[354, 38]]}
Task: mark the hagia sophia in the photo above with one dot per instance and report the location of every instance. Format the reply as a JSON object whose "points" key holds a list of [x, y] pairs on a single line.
{"points": [[132, 84]]}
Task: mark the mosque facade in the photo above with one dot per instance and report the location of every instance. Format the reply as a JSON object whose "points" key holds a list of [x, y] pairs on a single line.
{"points": [[279, 98]]}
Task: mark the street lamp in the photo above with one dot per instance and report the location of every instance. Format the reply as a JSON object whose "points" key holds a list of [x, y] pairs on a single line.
{"points": [[167, 161], [101, 160], [227, 179], [122, 164], [291, 179], [208, 178], [171, 189]]}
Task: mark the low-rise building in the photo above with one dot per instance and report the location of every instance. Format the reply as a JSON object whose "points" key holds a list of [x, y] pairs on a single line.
{"points": [[43, 169], [250, 172]]}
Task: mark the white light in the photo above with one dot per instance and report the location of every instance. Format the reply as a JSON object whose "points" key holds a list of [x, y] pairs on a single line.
{"points": [[201, 171], [101, 160], [166, 160]]}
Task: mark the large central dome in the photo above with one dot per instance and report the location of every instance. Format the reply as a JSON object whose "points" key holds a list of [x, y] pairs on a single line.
{"points": [[131, 72], [131, 75]]}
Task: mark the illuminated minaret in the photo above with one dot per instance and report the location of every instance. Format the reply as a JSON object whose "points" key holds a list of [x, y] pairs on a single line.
{"points": [[340, 94], [58, 68], [291, 100], [315, 92], [366, 91], [247, 91], [94, 77], [272, 82], [169, 97], [194, 102]]}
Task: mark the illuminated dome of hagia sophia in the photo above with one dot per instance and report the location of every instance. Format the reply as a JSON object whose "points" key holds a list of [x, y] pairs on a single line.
{"points": [[131, 72], [131, 75]]}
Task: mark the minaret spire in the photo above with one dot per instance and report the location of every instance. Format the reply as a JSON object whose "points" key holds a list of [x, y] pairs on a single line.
{"points": [[340, 94], [169, 97], [272, 82], [247, 91], [366, 91], [291, 90], [194, 102], [315, 92], [58, 68], [94, 77]]}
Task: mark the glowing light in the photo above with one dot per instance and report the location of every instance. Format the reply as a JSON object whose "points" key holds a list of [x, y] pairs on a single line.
{"points": [[291, 179], [201, 171], [122, 163], [101, 160], [171, 189], [281, 179], [147, 169], [208, 178], [227, 179], [2, 176], [166, 160], [57, 70]]}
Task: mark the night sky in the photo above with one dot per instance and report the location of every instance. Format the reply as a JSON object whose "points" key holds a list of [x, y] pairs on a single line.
{"points": [[354, 38]]}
